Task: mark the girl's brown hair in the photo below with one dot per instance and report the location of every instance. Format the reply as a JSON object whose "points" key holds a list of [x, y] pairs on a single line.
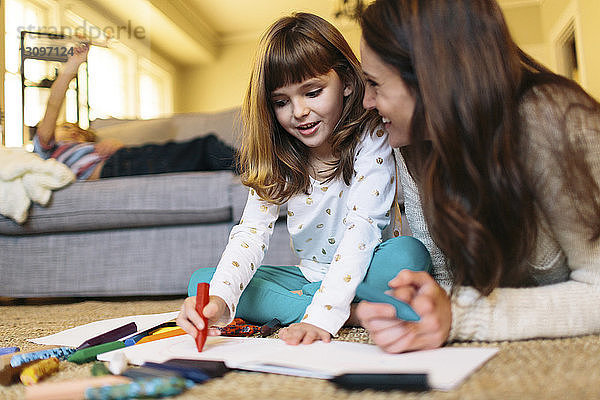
{"points": [[469, 78], [296, 48]]}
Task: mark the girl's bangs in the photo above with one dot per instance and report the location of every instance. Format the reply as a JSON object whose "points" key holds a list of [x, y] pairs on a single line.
{"points": [[294, 58]]}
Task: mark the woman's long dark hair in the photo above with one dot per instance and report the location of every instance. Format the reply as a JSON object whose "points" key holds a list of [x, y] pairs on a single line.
{"points": [[468, 78]]}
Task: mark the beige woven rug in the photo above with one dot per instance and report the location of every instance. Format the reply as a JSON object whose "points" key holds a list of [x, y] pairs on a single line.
{"points": [[536, 369]]}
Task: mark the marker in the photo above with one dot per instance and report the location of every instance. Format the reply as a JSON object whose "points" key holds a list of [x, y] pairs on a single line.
{"points": [[192, 373], [59, 352], [238, 327], [154, 387], [71, 389], [270, 327], [214, 369], [110, 336], [130, 341], [8, 350], [118, 363], [89, 353], [10, 375], [201, 302], [100, 369], [408, 382], [149, 373], [403, 310], [39, 370], [164, 335], [165, 329]]}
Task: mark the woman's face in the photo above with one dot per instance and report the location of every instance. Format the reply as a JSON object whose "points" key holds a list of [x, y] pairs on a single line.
{"points": [[311, 109], [387, 92]]}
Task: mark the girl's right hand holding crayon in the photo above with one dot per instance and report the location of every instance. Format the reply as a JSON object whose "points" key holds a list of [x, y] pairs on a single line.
{"points": [[189, 320]]}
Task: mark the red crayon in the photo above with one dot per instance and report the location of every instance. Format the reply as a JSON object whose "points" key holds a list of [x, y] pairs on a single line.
{"points": [[201, 302]]}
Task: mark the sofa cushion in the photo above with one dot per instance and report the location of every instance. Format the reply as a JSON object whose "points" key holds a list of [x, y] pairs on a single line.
{"points": [[132, 202], [179, 127], [225, 124], [137, 132]]}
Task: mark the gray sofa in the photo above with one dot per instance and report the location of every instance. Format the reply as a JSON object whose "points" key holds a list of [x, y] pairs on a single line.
{"points": [[129, 236]]}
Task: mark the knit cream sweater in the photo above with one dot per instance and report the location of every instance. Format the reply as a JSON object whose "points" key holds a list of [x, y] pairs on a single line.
{"points": [[565, 265]]}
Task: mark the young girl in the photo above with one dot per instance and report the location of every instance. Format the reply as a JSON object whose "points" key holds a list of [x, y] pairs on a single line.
{"points": [[91, 159], [308, 143]]}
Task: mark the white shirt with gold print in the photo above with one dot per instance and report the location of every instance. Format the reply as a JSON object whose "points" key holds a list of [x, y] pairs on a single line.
{"points": [[334, 230]]}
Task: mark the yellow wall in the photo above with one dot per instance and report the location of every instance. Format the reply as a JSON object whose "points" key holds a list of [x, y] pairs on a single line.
{"points": [[526, 27], [590, 45], [535, 27], [222, 84], [525, 24]]}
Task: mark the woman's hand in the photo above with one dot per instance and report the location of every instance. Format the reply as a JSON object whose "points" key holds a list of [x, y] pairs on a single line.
{"points": [[304, 333], [191, 322], [427, 298]]}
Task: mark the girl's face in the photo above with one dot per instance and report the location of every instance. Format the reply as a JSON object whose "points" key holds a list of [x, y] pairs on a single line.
{"points": [[311, 109], [387, 92]]}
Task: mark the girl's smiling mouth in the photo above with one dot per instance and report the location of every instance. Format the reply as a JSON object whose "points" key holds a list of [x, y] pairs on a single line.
{"points": [[308, 128]]}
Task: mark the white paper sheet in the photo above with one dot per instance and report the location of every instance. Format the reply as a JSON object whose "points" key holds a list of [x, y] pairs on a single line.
{"points": [[75, 336], [446, 367]]}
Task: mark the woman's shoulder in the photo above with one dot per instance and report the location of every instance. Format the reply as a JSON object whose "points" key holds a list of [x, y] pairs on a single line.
{"points": [[557, 96], [556, 108]]}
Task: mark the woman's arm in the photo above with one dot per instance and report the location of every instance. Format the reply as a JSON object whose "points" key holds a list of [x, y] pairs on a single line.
{"points": [[45, 129]]}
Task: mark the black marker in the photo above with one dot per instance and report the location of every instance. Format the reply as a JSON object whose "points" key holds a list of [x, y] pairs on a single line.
{"points": [[406, 382], [270, 327]]}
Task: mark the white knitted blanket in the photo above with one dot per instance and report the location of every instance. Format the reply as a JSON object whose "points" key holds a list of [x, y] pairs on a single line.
{"points": [[26, 177]]}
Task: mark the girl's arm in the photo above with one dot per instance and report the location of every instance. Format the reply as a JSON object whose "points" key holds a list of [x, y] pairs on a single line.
{"points": [[370, 199], [248, 243], [45, 129]]}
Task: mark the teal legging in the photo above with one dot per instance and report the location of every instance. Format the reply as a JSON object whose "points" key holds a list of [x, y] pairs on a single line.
{"points": [[268, 295]]}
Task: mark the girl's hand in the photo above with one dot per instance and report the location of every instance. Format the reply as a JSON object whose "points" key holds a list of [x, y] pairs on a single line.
{"points": [[80, 53], [191, 322], [304, 333], [427, 298]]}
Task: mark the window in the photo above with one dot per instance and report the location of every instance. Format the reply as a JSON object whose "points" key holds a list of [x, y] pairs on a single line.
{"points": [[155, 90], [121, 84], [21, 14]]}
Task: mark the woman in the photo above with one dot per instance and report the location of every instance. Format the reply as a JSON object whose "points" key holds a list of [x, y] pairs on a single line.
{"points": [[498, 159]]}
